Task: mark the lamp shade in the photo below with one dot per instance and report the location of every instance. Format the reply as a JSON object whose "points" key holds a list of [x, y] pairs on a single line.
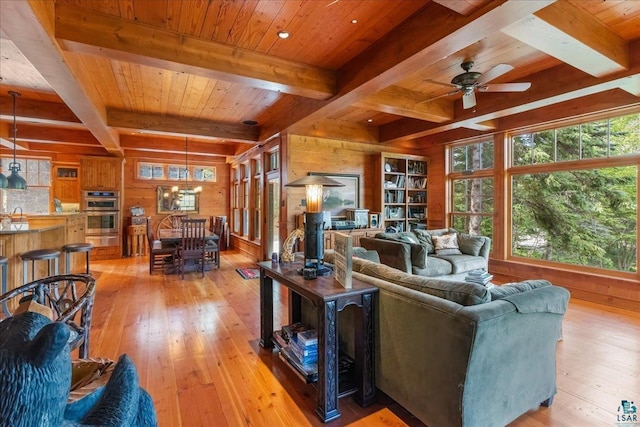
{"points": [[315, 180], [15, 181]]}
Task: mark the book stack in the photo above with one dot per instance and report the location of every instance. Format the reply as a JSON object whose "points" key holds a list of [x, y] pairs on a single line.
{"points": [[305, 346], [299, 346], [479, 276]]}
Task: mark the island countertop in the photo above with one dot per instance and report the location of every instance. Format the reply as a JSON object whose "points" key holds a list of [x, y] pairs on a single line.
{"points": [[30, 230]]}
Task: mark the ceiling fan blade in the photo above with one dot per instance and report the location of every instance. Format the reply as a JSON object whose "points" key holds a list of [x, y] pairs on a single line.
{"points": [[505, 87], [439, 96], [494, 73], [469, 99], [449, 85]]}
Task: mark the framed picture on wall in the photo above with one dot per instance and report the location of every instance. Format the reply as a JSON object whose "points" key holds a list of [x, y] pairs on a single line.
{"points": [[338, 199]]}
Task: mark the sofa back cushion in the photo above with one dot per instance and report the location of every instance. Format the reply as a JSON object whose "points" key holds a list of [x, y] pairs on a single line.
{"points": [[470, 245], [462, 293], [508, 289]]}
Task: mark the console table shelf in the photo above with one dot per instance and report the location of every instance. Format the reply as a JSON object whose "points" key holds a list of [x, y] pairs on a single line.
{"points": [[328, 297]]}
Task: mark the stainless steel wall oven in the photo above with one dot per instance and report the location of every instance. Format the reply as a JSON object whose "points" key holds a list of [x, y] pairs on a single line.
{"points": [[103, 217]]}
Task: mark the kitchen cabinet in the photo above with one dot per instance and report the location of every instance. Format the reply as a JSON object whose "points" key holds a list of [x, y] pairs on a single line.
{"points": [[66, 183], [100, 173], [402, 198]]}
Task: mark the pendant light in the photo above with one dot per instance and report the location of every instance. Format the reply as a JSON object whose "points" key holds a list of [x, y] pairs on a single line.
{"points": [[15, 181]]}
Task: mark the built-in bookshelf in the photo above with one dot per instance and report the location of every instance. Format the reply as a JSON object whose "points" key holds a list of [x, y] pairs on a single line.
{"points": [[403, 193]]}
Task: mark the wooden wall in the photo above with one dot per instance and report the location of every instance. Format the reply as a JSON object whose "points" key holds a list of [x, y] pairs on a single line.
{"points": [[312, 154], [214, 199]]}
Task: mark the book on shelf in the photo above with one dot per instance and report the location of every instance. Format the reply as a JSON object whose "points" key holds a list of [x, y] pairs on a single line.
{"points": [[308, 369], [307, 378], [290, 332], [305, 356], [308, 337]]}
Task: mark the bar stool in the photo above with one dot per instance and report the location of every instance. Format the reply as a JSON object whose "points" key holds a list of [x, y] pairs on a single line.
{"points": [[39, 255], [4, 264], [76, 247]]}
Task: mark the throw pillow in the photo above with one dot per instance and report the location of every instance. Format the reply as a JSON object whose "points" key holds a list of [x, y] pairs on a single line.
{"points": [[469, 244], [370, 255], [419, 254], [447, 244]]}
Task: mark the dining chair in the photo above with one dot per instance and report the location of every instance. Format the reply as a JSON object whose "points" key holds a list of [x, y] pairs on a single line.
{"points": [[159, 257], [213, 248], [192, 245]]}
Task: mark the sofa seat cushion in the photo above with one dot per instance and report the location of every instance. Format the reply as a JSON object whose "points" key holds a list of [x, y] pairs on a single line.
{"points": [[462, 293], [463, 263], [434, 267]]}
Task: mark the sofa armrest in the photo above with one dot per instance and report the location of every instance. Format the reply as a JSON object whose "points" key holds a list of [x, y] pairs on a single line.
{"points": [[392, 253]]}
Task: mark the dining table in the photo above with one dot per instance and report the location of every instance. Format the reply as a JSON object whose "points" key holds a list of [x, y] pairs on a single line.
{"points": [[173, 236]]}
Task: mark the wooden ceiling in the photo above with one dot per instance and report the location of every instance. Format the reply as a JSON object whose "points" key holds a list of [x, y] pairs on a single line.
{"points": [[137, 77]]}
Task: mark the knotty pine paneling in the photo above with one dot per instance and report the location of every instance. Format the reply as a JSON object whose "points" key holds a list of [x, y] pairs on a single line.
{"points": [[436, 189], [214, 199], [312, 154]]}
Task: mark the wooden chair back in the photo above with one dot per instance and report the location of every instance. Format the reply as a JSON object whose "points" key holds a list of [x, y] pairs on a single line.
{"points": [[193, 234]]}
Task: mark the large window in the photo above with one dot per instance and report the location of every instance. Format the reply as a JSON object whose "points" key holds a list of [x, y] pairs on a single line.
{"points": [[574, 194], [472, 188]]}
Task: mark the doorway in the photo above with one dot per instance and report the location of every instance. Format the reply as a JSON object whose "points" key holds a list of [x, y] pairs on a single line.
{"points": [[273, 216]]}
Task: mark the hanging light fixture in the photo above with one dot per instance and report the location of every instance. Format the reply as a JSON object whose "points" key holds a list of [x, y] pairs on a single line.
{"points": [[14, 181]]}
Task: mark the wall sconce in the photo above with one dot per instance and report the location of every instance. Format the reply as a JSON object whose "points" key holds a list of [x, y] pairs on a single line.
{"points": [[314, 218]]}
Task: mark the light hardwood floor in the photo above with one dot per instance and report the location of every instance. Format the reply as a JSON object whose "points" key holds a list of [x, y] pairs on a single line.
{"points": [[195, 344]]}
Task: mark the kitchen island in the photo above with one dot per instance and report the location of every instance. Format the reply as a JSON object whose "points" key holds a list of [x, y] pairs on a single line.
{"points": [[15, 242], [74, 232]]}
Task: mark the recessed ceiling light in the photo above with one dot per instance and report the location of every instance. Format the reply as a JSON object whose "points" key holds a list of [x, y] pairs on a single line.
{"points": [[369, 120], [354, 21], [250, 122], [283, 34]]}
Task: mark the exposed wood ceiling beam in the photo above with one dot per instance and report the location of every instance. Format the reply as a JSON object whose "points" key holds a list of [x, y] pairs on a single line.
{"points": [[46, 133], [603, 103], [79, 30], [428, 36], [575, 37], [36, 111], [181, 126], [30, 25], [408, 103], [53, 149], [338, 129], [558, 84], [152, 144]]}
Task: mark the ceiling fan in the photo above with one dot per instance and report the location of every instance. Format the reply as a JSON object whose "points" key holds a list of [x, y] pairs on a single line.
{"points": [[469, 81]]}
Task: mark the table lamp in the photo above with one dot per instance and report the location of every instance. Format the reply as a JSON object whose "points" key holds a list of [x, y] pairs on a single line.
{"points": [[314, 218]]}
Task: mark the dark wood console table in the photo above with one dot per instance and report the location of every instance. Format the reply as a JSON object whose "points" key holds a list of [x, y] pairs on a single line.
{"points": [[328, 297]]}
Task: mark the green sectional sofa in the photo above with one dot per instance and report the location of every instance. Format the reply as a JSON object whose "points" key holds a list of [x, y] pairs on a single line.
{"points": [[459, 354], [415, 252]]}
